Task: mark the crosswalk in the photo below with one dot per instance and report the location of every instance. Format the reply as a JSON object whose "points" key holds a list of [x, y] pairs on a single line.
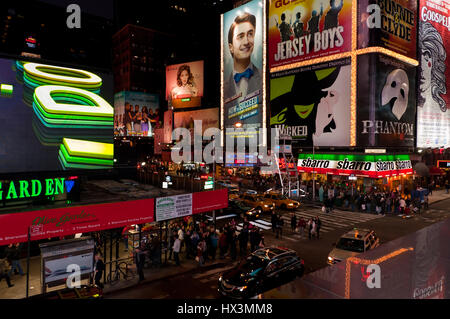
{"points": [[330, 221]]}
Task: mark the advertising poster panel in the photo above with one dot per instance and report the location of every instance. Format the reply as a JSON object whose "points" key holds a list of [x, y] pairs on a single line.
{"points": [[396, 29], [208, 117], [242, 75], [136, 114], [184, 84], [386, 106], [72, 220], [173, 207], [312, 104], [168, 121], [300, 30], [54, 118], [159, 141], [433, 104]]}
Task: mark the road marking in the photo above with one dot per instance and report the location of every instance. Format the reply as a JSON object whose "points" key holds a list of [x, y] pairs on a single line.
{"points": [[221, 217], [262, 221]]}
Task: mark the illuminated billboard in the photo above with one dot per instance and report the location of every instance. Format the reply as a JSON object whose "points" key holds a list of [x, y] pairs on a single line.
{"points": [[136, 114], [303, 30], [433, 103], [312, 104], [243, 67], [184, 84], [386, 102], [395, 29], [209, 118], [54, 118]]}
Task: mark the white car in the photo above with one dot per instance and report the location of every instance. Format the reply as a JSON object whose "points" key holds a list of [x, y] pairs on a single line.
{"points": [[353, 243]]}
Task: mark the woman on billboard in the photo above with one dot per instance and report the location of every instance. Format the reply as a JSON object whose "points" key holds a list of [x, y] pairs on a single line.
{"points": [[146, 126], [432, 67], [185, 84]]}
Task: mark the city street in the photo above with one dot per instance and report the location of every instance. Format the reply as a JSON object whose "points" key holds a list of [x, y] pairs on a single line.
{"points": [[202, 283]]}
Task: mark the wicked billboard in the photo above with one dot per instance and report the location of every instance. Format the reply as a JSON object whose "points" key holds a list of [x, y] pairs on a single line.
{"points": [[300, 30], [312, 104], [386, 106], [388, 23], [433, 114]]}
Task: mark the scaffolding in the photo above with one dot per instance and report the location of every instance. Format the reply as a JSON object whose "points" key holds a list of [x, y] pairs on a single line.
{"points": [[287, 168]]}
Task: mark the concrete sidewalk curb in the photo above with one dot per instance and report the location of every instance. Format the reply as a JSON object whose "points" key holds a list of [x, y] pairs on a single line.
{"points": [[147, 281]]}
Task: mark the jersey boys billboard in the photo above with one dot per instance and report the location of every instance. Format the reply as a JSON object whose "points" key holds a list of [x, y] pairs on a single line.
{"points": [[433, 114], [313, 103], [300, 30]]}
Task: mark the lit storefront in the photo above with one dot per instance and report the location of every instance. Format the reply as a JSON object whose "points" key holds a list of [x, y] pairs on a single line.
{"points": [[386, 172]]}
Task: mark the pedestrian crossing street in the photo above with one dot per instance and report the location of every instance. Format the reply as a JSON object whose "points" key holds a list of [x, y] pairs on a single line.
{"points": [[330, 221]]}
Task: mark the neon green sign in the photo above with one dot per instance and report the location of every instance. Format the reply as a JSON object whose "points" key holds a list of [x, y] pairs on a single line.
{"points": [[33, 188]]}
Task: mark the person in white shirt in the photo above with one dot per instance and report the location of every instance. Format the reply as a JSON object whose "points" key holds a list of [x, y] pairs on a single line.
{"points": [[176, 250]]}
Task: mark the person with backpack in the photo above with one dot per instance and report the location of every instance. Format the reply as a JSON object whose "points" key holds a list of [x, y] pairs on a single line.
{"points": [[4, 269]]}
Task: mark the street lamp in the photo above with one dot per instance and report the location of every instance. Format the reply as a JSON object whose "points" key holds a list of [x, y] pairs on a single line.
{"points": [[314, 178]]}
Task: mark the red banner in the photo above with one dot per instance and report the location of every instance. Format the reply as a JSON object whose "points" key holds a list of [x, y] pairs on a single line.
{"points": [[208, 201], [71, 220]]}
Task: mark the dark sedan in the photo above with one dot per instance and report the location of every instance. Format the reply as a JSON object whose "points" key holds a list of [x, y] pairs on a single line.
{"points": [[264, 269]]}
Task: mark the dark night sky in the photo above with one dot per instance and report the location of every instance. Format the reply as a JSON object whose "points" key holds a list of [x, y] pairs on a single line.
{"points": [[102, 8]]}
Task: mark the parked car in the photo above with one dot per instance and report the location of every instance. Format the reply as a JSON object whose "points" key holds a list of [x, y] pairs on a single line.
{"points": [[239, 208], [264, 269], [353, 243], [258, 202], [281, 201]]}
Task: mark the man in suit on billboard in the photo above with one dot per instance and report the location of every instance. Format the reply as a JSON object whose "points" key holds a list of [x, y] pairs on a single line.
{"points": [[245, 77]]}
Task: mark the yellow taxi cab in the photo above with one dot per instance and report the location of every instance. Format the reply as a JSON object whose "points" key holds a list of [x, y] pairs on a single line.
{"points": [[233, 194], [353, 243], [281, 201], [257, 202]]}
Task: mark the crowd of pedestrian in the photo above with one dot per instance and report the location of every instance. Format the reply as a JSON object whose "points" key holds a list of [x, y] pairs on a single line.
{"points": [[373, 200], [199, 241]]}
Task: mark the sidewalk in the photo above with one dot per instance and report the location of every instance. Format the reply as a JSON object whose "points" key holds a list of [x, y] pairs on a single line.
{"points": [[437, 196], [150, 274]]}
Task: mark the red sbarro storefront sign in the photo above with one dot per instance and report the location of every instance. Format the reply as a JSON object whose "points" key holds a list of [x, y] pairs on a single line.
{"points": [[373, 166], [84, 219]]}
